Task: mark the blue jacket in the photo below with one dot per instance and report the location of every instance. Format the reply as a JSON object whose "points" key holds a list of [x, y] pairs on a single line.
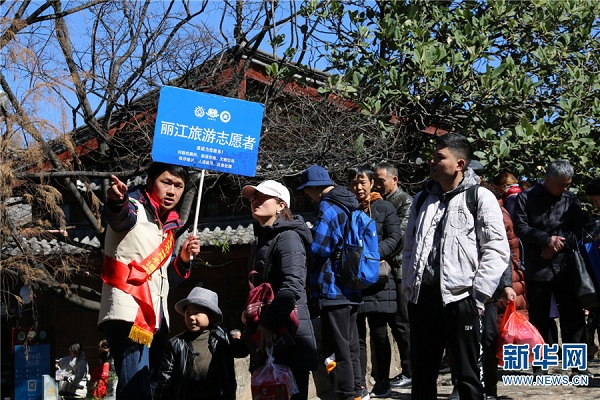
{"points": [[328, 235]]}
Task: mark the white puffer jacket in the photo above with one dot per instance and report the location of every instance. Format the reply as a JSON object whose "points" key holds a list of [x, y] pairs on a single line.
{"points": [[469, 264]]}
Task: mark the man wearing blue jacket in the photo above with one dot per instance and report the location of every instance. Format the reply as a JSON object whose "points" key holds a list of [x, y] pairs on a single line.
{"points": [[339, 303], [455, 251]]}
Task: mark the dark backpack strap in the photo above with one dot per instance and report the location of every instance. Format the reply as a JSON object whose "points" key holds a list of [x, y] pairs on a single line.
{"points": [[421, 200], [473, 200], [339, 204]]}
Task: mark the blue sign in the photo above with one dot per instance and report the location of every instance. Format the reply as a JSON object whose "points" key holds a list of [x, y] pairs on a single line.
{"points": [[207, 131], [31, 362]]}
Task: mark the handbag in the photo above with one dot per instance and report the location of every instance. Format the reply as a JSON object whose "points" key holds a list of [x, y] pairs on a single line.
{"points": [[584, 284], [261, 296], [259, 300]]}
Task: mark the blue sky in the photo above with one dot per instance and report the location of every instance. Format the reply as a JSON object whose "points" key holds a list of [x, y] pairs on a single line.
{"points": [[48, 105]]}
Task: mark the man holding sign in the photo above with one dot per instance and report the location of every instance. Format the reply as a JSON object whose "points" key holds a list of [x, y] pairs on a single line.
{"points": [[138, 260]]}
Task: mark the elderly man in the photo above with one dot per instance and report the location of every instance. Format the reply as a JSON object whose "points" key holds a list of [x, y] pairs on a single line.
{"points": [[549, 220]]}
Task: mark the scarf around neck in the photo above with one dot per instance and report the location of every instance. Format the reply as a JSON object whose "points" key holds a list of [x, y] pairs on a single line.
{"points": [[365, 205]]}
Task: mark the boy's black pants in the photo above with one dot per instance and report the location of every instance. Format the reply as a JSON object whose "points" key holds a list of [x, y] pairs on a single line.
{"points": [[432, 326]]}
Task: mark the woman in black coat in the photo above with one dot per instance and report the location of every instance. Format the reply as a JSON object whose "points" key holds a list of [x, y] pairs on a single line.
{"points": [[379, 300], [279, 257]]}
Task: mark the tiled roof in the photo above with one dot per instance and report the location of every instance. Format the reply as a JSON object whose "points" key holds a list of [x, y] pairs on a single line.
{"points": [[210, 235], [44, 247], [230, 235], [217, 231]]}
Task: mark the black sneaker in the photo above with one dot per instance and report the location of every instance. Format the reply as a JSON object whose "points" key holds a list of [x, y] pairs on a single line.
{"points": [[400, 381], [381, 389], [364, 393]]}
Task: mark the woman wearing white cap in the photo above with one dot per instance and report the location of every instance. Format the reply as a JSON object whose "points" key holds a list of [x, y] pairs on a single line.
{"points": [[279, 257]]}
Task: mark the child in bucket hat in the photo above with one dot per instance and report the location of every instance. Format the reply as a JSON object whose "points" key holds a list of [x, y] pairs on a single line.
{"points": [[202, 299], [199, 360]]}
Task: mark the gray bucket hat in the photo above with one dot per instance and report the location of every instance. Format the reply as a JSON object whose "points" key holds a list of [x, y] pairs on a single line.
{"points": [[204, 298]]}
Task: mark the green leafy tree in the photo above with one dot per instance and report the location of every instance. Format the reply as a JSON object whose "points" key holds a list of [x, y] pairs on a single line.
{"points": [[519, 78]]}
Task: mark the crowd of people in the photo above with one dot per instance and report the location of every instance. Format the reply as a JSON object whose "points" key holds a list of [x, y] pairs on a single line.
{"points": [[451, 257]]}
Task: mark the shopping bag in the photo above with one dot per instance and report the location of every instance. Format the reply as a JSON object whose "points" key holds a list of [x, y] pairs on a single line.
{"points": [[272, 381], [258, 355], [585, 290], [516, 329], [590, 250]]}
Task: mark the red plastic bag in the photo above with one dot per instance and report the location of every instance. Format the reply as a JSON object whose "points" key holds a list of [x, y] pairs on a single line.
{"points": [[273, 381], [515, 328]]}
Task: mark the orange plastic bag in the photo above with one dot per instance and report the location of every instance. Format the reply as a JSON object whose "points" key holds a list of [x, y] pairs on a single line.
{"points": [[516, 329]]}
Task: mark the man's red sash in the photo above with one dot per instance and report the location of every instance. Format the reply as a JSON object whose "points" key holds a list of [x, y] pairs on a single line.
{"points": [[133, 279]]}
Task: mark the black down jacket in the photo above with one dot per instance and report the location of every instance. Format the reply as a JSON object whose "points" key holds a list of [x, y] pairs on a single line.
{"points": [[381, 297], [286, 242]]}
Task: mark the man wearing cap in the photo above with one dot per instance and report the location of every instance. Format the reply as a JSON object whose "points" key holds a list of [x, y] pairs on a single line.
{"points": [[198, 363], [339, 303]]}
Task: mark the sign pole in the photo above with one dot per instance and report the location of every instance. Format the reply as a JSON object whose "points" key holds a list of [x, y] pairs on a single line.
{"points": [[195, 230]]}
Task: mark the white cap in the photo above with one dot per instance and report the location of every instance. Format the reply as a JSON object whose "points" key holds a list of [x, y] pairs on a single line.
{"points": [[270, 188]]}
